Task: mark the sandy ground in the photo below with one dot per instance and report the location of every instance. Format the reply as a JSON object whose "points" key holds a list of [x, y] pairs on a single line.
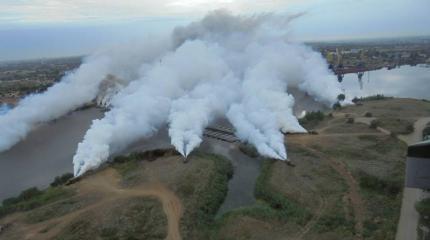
{"points": [[106, 183]]}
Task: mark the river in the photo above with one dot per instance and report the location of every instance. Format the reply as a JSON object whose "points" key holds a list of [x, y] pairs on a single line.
{"points": [[405, 82]]}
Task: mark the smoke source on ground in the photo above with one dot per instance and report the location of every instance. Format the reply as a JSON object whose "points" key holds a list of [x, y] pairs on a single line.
{"points": [[240, 67]]}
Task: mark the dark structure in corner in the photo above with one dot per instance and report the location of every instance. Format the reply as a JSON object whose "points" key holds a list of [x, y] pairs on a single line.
{"points": [[418, 166]]}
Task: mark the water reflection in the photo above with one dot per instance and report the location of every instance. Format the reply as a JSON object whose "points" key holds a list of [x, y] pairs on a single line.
{"points": [[406, 81]]}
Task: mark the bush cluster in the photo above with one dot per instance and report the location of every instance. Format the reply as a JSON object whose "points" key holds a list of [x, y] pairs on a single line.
{"points": [[33, 198], [286, 208], [373, 183], [207, 200], [423, 207], [312, 117], [61, 180], [370, 98], [249, 150], [375, 123]]}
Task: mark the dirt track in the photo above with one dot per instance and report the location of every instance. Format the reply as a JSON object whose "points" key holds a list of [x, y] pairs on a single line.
{"points": [[342, 170], [106, 183]]}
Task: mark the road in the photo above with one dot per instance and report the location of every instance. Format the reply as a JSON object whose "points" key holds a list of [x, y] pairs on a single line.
{"points": [[408, 223]]}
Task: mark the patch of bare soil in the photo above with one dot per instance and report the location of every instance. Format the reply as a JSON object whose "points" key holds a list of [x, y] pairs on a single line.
{"points": [[106, 183]]}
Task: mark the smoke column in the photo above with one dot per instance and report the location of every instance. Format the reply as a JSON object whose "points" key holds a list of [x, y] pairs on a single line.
{"points": [[4, 108], [240, 67], [77, 88], [55, 102]]}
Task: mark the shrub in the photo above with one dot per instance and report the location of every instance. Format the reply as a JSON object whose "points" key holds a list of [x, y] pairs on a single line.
{"points": [[312, 117], [423, 207], [377, 184], [374, 124], [410, 128], [207, 199], [368, 114], [287, 208], [355, 100], [249, 150], [375, 97], [337, 106], [61, 180], [341, 97], [32, 198]]}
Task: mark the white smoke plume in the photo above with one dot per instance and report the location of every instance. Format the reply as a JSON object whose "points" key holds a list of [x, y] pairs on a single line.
{"points": [[224, 65], [76, 88], [4, 108], [55, 102]]}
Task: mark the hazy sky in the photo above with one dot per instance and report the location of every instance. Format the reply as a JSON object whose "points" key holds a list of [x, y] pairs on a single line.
{"points": [[46, 28]]}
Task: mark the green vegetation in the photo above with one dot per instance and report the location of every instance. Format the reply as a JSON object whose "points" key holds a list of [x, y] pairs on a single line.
{"points": [[336, 106], [33, 198], [423, 207], [335, 221], [249, 150], [272, 207], [368, 114], [341, 97], [61, 180], [375, 123], [134, 218], [396, 125], [371, 98], [53, 210], [199, 216], [383, 200], [127, 165], [287, 210], [379, 185], [311, 119]]}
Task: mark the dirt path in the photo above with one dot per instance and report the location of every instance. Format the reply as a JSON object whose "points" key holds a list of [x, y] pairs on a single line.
{"points": [[316, 216], [408, 222], [353, 194], [342, 170], [106, 182], [416, 136]]}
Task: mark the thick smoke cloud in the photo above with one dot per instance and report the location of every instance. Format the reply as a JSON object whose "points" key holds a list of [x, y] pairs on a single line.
{"points": [[235, 66], [55, 102], [4, 108]]}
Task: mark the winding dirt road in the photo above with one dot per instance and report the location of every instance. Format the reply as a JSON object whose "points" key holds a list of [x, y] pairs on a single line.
{"points": [[353, 188], [108, 182]]}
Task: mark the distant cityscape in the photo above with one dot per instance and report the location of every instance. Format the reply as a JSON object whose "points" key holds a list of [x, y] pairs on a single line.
{"points": [[19, 78]]}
